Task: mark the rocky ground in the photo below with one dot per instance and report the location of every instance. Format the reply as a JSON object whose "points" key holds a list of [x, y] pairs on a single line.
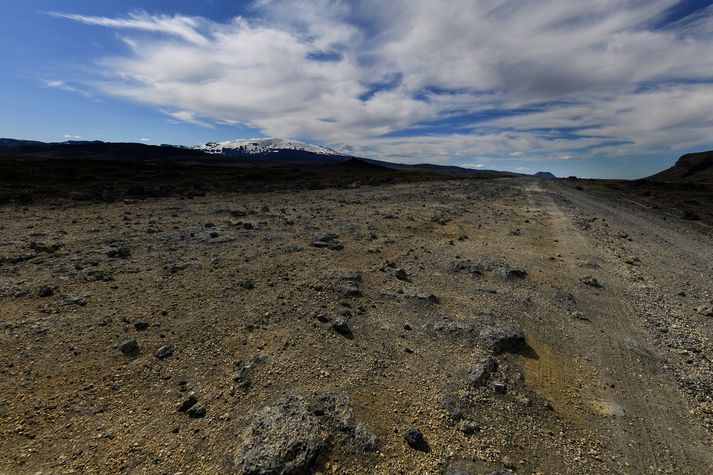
{"points": [[462, 327]]}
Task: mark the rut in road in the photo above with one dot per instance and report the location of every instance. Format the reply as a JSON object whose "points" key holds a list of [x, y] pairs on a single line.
{"points": [[633, 404]]}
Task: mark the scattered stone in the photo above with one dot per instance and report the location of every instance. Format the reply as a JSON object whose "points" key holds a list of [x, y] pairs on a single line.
{"points": [[414, 438], [524, 400], [188, 403], [388, 296], [196, 411], [454, 412], [46, 291], [690, 215], [591, 281], [328, 241], [468, 427], [177, 267], [513, 273], [579, 315], [388, 265], [486, 265], [462, 265], [141, 325], [122, 252], [130, 347], [16, 259], [632, 261], [401, 275], [499, 387], [565, 298], [282, 439], [423, 297], [350, 291], [480, 371], [75, 300], [341, 326], [46, 248], [354, 277], [705, 310], [243, 376], [509, 463], [99, 276], [164, 352]]}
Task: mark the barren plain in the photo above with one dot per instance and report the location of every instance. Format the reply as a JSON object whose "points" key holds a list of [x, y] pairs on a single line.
{"points": [[460, 327]]}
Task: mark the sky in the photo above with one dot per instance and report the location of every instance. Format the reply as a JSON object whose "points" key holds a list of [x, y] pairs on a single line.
{"points": [[592, 88]]}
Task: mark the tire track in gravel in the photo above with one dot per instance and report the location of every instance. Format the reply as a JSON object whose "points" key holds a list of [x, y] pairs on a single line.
{"points": [[634, 406]]}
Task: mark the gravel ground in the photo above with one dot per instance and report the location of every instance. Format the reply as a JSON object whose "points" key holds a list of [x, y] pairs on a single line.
{"points": [[445, 327]]}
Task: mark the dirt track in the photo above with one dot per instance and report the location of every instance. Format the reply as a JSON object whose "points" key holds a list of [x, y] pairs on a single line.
{"points": [[612, 379]]}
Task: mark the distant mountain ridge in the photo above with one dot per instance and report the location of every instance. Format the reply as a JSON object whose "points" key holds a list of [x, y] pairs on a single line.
{"points": [[96, 150], [5, 142], [690, 168], [241, 152], [261, 146], [546, 175]]}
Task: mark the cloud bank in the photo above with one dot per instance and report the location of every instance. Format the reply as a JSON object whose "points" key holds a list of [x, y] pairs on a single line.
{"points": [[415, 80]]}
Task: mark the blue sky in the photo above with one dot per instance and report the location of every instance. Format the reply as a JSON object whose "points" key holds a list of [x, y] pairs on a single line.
{"points": [[599, 88]]}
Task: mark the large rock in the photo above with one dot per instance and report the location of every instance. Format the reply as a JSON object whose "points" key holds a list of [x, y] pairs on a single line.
{"points": [[453, 328], [282, 439], [335, 411], [487, 333], [498, 336]]}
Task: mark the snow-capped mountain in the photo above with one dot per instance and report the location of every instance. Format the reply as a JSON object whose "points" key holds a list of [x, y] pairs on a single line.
{"points": [[264, 146]]}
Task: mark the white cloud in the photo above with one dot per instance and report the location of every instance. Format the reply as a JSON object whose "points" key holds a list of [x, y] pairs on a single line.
{"points": [[62, 85], [72, 137], [187, 116], [144, 140], [182, 27], [299, 68]]}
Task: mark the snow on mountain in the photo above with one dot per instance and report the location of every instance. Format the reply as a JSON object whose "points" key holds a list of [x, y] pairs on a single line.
{"points": [[263, 146]]}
